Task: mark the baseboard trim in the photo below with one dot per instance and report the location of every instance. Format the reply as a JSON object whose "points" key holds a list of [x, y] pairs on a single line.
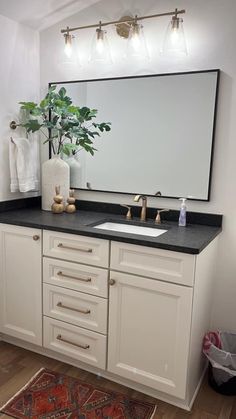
{"points": [[198, 387]]}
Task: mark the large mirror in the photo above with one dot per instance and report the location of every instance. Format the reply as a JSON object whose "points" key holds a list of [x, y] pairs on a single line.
{"points": [[162, 135]]}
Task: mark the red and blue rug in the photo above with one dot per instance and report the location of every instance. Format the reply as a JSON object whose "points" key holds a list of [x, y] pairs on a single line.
{"points": [[51, 395]]}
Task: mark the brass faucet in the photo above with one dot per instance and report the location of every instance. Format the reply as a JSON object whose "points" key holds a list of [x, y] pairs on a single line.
{"points": [[143, 215]]}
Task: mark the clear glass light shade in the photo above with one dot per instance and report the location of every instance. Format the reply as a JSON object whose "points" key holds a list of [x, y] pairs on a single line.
{"points": [[174, 41], [100, 49], [71, 50], [136, 45]]}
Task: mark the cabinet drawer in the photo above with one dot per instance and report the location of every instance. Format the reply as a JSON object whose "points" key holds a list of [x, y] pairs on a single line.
{"points": [[75, 342], [76, 248], [75, 307], [77, 277], [153, 263]]}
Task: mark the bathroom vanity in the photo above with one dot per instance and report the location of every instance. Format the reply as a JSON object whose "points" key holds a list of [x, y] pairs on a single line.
{"points": [[131, 308]]}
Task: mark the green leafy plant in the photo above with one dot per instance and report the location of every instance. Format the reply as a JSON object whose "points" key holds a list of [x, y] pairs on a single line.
{"points": [[67, 127]]}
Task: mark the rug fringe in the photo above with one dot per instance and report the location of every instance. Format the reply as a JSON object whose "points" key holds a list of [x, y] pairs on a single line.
{"points": [[21, 389], [154, 412]]}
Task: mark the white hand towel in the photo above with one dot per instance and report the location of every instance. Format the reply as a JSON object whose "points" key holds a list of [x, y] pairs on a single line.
{"points": [[24, 164]]}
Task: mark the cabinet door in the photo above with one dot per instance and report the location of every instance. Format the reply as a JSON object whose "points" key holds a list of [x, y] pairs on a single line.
{"points": [[20, 283], [149, 332]]}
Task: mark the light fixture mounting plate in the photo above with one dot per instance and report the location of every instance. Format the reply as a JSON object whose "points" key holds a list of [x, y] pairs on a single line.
{"points": [[123, 28]]}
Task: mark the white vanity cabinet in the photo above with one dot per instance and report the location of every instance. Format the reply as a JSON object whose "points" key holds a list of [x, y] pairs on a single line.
{"points": [[21, 283], [135, 314]]}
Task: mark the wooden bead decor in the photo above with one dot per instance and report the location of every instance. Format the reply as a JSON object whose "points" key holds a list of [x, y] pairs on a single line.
{"points": [[70, 207], [58, 206]]}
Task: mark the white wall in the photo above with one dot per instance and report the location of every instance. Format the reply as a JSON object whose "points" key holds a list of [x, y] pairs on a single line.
{"points": [[19, 81], [211, 33]]}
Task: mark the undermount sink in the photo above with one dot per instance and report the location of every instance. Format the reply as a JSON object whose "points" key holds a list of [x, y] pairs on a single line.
{"points": [[131, 229]]}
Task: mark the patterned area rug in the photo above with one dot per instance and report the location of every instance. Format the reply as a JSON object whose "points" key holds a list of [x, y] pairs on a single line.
{"points": [[51, 395]]}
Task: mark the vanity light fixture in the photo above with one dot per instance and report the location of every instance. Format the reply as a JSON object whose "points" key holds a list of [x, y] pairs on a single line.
{"points": [[129, 27]]}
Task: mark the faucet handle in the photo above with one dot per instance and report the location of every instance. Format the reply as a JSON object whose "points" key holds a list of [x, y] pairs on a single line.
{"points": [[129, 214], [158, 217]]}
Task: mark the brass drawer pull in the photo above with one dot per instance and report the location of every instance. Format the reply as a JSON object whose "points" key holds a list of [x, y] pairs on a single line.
{"points": [[60, 273], [79, 345], [36, 237], [79, 310], [79, 249]]}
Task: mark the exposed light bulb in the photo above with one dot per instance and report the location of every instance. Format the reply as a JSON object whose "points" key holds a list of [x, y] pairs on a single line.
{"points": [[135, 37], [174, 36], [100, 41], [136, 46], [174, 41], [70, 56], [68, 50], [100, 50]]}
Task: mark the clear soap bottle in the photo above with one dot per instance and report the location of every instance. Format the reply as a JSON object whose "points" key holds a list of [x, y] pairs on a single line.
{"points": [[182, 213]]}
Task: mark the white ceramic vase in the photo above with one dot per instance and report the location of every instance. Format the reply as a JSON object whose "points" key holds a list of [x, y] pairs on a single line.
{"points": [[75, 172], [55, 172]]}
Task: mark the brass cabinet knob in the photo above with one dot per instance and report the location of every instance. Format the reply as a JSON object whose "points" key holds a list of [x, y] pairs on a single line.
{"points": [[112, 282], [36, 237]]}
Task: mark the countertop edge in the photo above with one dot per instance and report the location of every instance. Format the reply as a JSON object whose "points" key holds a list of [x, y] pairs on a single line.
{"points": [[123, 239]]}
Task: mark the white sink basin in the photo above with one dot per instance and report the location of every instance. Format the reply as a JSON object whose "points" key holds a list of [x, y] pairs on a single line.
{"points": [[132, 229]]}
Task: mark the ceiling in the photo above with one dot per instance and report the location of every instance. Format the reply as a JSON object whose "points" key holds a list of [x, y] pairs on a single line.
{"points": [[41, 14]]}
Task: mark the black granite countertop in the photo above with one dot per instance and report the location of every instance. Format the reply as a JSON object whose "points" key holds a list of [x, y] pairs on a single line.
{"points": [[191, 239]]}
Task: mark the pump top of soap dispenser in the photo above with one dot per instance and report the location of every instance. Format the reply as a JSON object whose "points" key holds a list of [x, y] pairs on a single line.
{"points": [[183, 201]]}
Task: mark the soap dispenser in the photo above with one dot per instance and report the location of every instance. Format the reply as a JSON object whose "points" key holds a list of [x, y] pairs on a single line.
{"points": [[182, 213]]}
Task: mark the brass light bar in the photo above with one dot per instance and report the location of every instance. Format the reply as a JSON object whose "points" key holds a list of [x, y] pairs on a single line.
{"points": [[118, 22]]}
